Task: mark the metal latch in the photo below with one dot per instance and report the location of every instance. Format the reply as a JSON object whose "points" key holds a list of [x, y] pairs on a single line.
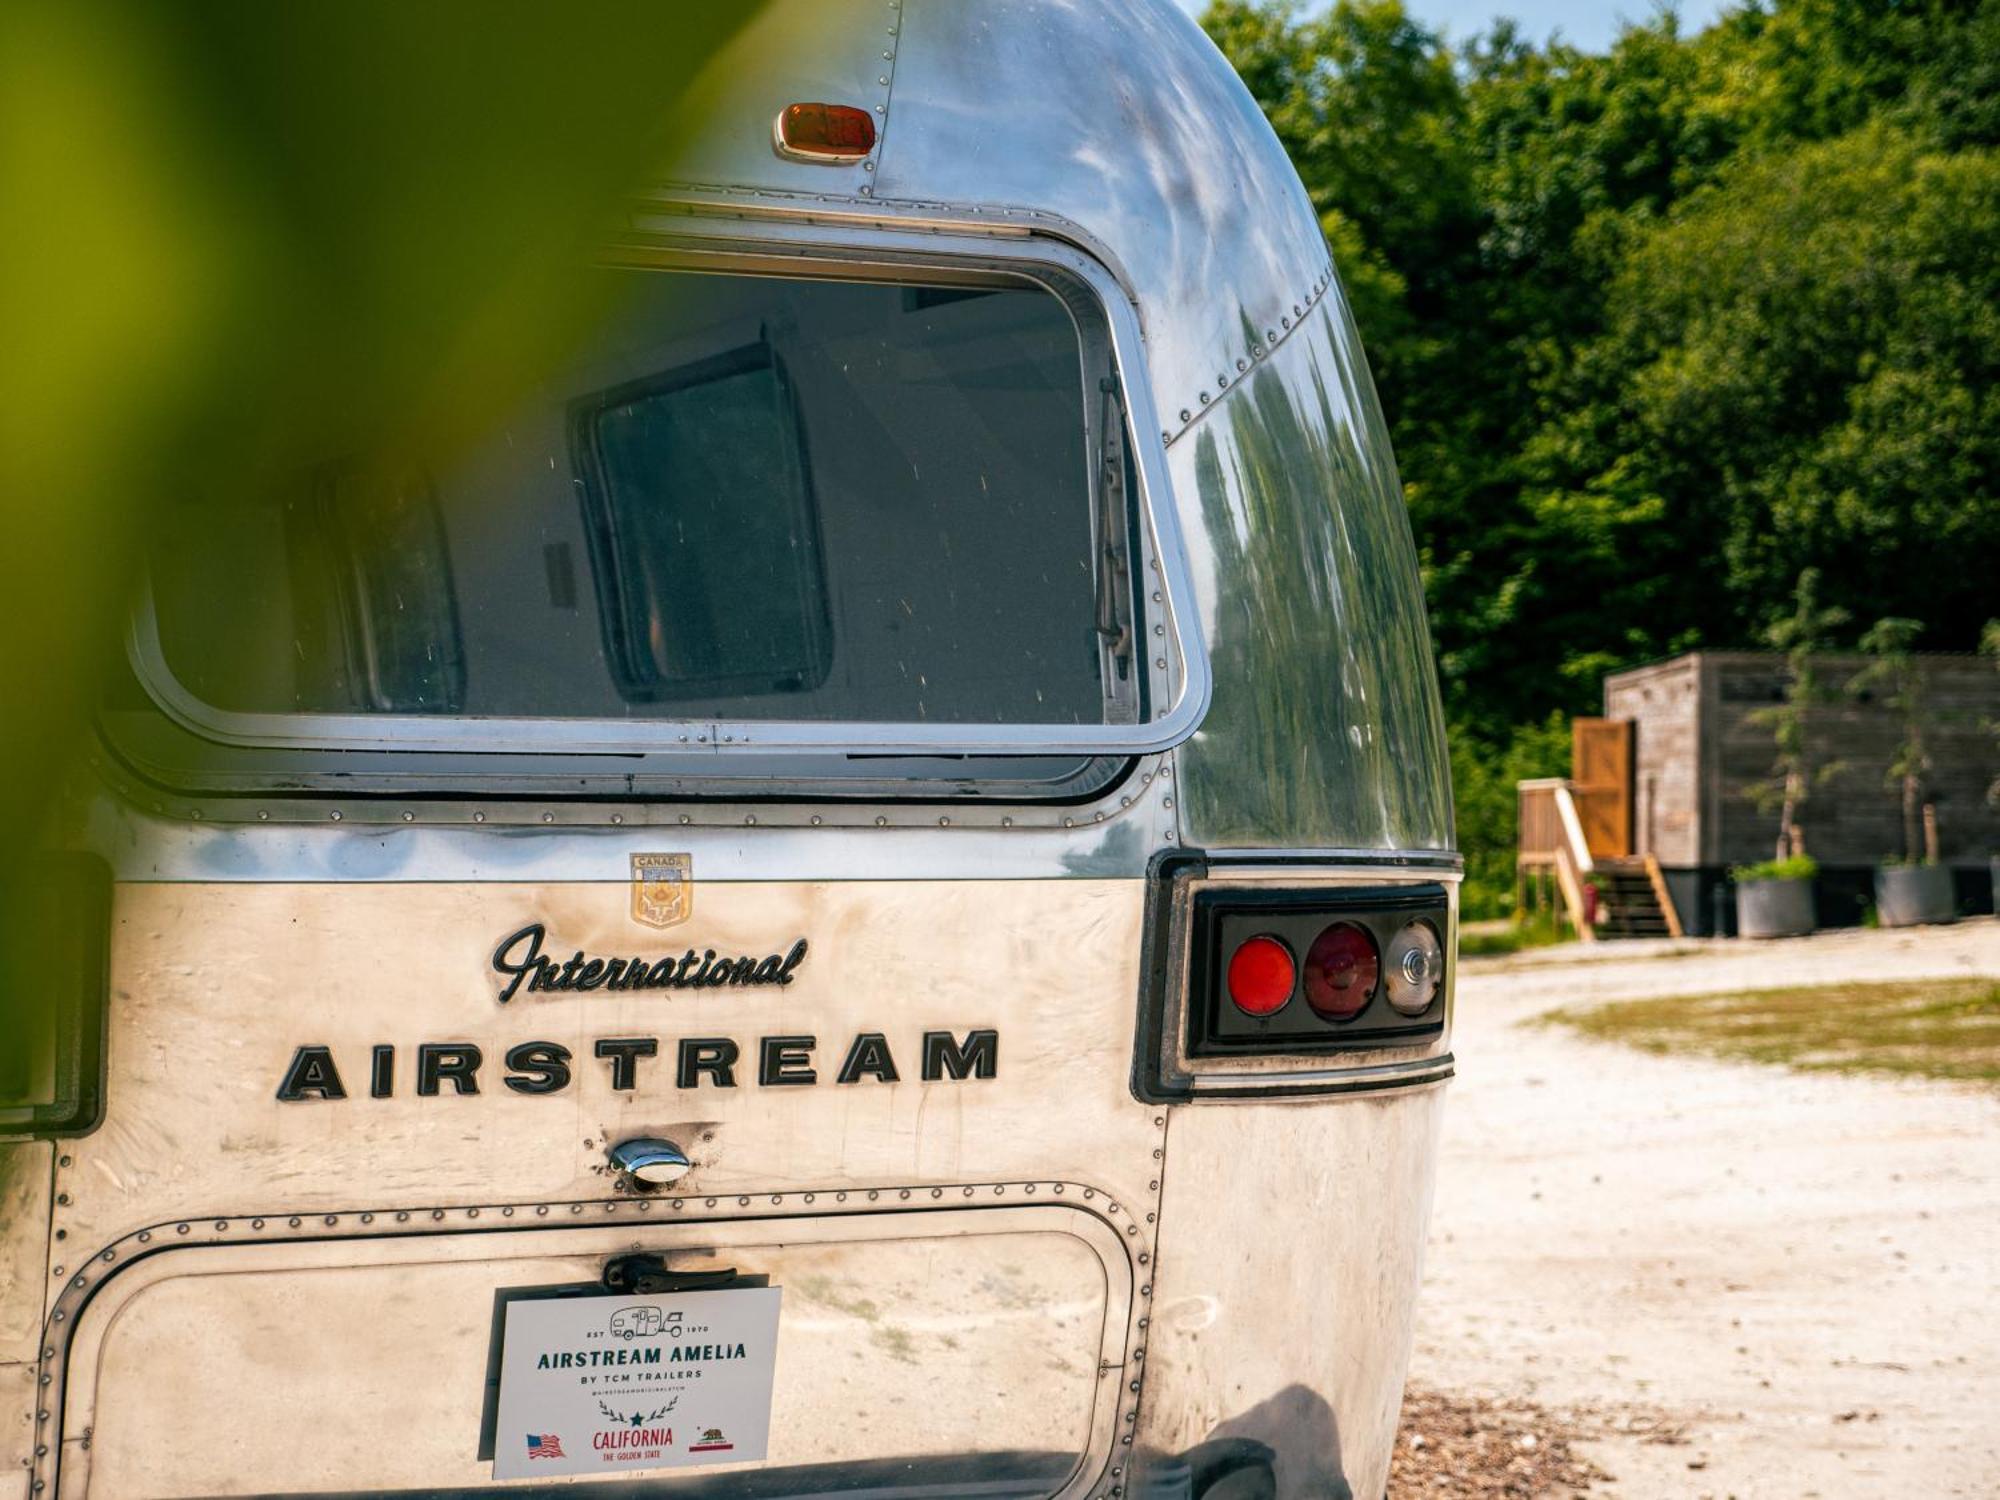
{"points": [[647, 1274]]}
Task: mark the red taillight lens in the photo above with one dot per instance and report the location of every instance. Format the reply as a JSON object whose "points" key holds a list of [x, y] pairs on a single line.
{"points": [[1261, 974], [823, 132], [1341, 969]]}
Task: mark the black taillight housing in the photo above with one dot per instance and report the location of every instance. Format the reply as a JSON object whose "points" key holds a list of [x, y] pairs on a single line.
{"points": [[1344, 993], [1275, 975], [55, 922]]}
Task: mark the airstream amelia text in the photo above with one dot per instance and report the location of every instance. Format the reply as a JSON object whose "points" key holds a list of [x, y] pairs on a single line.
{"points": [[858, 897]]}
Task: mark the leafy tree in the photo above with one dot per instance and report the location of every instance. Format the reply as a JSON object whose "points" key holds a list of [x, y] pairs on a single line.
{"points": [[1659, 328], [1798, 367], [1896, 669], [1803, 636], [1483, 778], [1825, 67]]}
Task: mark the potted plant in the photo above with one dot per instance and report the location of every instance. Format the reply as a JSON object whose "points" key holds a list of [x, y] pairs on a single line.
{"points": [[1775, 898], [1916, 888]]}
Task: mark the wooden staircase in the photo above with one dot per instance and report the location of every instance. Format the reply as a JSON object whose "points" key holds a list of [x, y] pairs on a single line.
{"points": [[1578, 833], [1632, 900]]}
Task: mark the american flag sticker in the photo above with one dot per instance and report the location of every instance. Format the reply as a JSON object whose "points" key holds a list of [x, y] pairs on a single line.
{"points": [[544, 1445]]}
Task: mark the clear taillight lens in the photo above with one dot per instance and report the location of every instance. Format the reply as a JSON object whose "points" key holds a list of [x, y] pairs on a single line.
{"points": [[1416, 965]]}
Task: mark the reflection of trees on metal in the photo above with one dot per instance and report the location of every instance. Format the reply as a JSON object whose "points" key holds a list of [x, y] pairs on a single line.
{"points": [[1326, 729]]}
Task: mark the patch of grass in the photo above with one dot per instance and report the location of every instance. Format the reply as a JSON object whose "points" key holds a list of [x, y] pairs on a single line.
{"points": [[1485, 939], [1932, 1028]]}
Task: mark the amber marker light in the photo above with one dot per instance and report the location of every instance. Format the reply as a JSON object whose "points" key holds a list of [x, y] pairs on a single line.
{"points": [[824, 133]]}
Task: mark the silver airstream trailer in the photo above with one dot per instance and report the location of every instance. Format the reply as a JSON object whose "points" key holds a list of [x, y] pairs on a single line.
{"points": [[894, 816]]}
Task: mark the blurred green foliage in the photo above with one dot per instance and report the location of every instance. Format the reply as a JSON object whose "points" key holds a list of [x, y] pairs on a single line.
{"points": [[232, 227], [1660, 329], [1483, 775], [1656, 330]]}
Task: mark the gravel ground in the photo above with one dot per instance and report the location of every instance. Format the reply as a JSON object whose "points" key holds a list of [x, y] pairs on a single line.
{"points": [[1454, 1448], [1707, 1278]]}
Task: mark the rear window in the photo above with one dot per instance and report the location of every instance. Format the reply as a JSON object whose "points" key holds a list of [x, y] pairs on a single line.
{"points": [[752, 498], [705, 461]]}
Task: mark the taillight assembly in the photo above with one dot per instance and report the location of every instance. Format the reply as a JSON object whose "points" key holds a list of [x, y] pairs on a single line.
{"points": [[1327, 969]]}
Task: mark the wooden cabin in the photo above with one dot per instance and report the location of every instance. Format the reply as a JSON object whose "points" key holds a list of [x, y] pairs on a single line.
{"points": [[1661, 790]]}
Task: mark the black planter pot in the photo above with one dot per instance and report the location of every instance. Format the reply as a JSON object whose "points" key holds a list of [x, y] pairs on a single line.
{"points": [[1774, 908], [1913, 895]]}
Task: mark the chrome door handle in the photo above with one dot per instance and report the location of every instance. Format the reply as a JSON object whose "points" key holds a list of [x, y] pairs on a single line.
{"points": [[650, 1159]]}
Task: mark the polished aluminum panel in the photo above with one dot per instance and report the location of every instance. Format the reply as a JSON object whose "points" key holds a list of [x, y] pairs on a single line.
{"points": [[25, 1168], [1122, 129], [27, 1189], [927, 1336], [1285, 1307], [789, 52], [1119, 123], [1326, 728], [214, 986], [338, 841]]}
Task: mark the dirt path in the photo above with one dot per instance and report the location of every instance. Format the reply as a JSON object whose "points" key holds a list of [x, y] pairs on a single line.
{"points": [[1797, 1276]]}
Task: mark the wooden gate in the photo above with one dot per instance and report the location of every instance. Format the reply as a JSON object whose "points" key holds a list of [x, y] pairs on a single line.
{"points": [[1600, 752]]}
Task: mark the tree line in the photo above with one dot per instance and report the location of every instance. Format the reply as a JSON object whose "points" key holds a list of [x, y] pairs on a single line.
{"points": [[1658, 331]]}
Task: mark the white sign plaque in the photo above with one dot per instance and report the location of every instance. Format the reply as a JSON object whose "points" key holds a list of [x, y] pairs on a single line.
{"points": [[613, 1385]]}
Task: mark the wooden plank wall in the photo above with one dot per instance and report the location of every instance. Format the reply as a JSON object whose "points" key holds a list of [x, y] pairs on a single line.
{"points": [[1661, 702], [1699, 752]]}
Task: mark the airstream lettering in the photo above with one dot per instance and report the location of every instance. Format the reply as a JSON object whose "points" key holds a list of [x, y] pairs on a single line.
{"points": [[544, 1067], [977, 551]]}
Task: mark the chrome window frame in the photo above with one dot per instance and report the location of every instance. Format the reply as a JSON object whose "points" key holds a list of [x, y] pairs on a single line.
{"points": [[1167, 627]]}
